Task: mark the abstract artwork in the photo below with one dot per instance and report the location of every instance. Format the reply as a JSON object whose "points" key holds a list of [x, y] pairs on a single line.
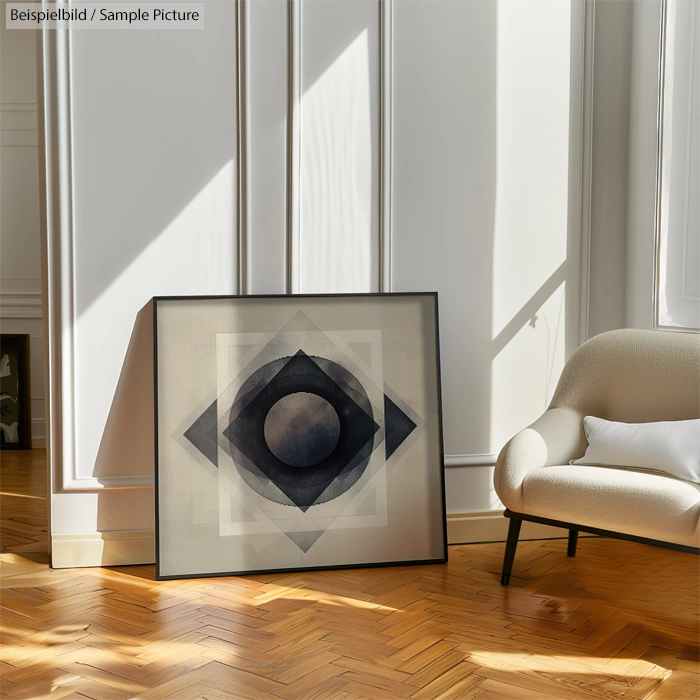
{"points": [[15, 418], [297, 432]]}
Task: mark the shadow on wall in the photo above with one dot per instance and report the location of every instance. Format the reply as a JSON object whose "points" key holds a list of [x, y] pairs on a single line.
{"points": [[150, 130], [150, 219], [535, 245], [127, 446], [474, 205], [444, 180], [154, 153]]}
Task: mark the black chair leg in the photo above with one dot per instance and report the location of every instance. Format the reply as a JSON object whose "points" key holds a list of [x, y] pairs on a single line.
{"points": [[511, 545], [573, 541]]}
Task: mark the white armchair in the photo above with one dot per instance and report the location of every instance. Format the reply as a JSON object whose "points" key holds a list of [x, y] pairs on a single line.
{"points": [[631, 376]]}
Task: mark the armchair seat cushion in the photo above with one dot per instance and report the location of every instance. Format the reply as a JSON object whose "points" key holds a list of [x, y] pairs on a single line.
{"points": [[620, 500]]}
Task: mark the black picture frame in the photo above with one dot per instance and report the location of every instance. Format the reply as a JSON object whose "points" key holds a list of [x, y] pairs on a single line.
{"points": [[175, 535], [15, 388]]}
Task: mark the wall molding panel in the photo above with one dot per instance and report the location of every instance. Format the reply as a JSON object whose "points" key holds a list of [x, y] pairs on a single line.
{"points": [[584, 147], [19, 125], [691, 289], [386, 39], [20, 305], [60, 284], [580, 170], [59, 287], [20, 297], [20, 285], [473, 460], [243, 170], [384, 146], [71, 471], [293, 143]]}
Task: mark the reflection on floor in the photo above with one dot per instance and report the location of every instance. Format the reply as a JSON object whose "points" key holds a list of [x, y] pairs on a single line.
{"points": [[23, 518], [619, 621]]}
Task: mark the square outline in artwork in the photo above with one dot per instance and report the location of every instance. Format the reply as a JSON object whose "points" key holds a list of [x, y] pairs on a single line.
{"points": [[226, 297], [19, 343]]}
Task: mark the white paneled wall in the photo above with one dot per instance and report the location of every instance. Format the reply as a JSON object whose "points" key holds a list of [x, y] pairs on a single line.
{"points": [[20, 258], [376, 145], [147, 146]]}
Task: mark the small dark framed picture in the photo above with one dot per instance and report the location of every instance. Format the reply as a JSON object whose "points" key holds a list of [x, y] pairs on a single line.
{"points": [[15, 396], [297, 433]]}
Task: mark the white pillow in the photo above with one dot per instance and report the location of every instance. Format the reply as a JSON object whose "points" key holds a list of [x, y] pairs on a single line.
{"points": [[672, 447]]}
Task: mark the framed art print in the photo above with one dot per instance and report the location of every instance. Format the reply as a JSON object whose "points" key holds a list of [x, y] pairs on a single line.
{"points": [[15, 411], [297, 432]]}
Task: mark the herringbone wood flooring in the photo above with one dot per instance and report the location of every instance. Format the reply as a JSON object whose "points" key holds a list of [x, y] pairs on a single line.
{"points": [[618, 621], [23, 519]]}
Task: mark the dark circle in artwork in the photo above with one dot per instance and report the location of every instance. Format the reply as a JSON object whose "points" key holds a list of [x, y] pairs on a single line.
{"points": [[317, 464], [302, 429]]}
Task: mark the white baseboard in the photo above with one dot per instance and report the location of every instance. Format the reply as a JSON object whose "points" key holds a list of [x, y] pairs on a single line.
{"points": [[38, 433], [473, 460], [114, 548], [491, 526], [125, 547]]}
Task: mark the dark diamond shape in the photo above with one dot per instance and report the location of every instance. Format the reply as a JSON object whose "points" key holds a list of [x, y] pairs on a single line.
{"points": [[305, 540], [202, 434], [397, 424], [246, 432]]}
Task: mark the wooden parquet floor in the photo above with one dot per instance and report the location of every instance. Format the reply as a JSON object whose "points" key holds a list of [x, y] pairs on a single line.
{"points": [[620, 620], [23, 516]]}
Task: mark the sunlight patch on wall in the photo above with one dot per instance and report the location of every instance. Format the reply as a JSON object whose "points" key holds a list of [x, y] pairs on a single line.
{"points": [[533, 66], [336, 239], [526, 371], [531, 217]]}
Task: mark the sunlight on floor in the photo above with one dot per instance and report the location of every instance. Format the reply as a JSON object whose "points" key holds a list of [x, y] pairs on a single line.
{"points": [[22, 495], [23, 504], [563, 663], [418, 632]]}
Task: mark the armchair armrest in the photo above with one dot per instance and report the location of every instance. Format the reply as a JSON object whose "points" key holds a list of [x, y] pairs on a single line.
{"points": [[555, 438]]}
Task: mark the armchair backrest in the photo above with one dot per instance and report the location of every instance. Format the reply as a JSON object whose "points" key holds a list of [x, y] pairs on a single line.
{"points": [[633, 376]]}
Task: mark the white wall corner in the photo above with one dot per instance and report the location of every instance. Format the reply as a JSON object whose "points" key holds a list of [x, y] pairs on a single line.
{"points": [[113, 548]]}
